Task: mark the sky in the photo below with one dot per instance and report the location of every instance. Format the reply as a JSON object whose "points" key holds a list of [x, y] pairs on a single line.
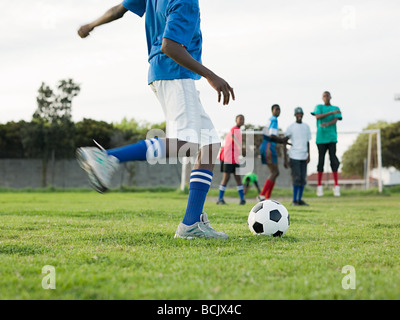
{"points": [[286, 52]]}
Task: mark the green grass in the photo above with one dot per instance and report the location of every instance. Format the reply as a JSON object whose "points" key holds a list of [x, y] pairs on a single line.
{"points": [[121, 246]]}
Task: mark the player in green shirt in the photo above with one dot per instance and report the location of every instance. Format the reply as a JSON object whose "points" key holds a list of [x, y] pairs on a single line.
{"points": [[248, 180], [327, 116]]}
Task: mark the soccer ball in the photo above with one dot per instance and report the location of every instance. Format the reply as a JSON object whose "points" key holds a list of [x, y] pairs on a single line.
{"points": [[269, 218]]}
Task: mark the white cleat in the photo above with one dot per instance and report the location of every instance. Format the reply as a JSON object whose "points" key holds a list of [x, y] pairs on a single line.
{"points": [[336, 191], [320, 191], [99, 165]]}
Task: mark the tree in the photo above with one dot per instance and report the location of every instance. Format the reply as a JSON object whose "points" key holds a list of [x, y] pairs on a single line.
{"points": [[391, 145], [50, 134], [88, 129], [10, 140]]}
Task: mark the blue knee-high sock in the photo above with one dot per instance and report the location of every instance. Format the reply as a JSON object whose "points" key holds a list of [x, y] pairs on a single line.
{"points": [[295, 193], [200, 181], [241, 192], [301, 189], [141, 151], [221, 192]]}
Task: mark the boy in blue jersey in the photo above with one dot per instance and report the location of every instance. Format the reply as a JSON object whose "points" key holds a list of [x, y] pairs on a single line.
{"points": [[268, 152], [174, 43]]}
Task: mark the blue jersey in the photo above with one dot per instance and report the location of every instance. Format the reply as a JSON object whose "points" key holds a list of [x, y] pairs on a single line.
{"points": [[267, 147], [271, 129], [177, 20]]}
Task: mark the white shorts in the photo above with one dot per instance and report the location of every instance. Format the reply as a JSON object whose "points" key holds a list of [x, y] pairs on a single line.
{"points": [[185, 116]]}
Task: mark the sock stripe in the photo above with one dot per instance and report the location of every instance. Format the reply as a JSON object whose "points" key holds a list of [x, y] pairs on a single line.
{"points": [[202, 173], [200, 181], [222, 188], [239, 187]]}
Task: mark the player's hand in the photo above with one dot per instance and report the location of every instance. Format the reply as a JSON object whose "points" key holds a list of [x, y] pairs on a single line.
{"points": [[222, 87], [285, 140], [286, 164], [85, 30], [308, 159]]}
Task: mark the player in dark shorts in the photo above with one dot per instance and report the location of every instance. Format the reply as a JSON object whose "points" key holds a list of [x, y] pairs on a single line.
{"points": [[229, 157]]}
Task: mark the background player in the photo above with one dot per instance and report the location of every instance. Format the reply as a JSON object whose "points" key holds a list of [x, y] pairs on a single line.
{"points": [[248, 180], [229, 157], [268, 152], [299, 155], [327, 116]]}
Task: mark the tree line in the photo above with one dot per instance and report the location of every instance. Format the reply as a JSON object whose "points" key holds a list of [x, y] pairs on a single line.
{"points": [[51, 134]]}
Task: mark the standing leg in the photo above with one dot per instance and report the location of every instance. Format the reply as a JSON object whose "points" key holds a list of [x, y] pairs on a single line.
{"points": [[240, 188], [303, 181], [270, 183], [335, 163], [322, 148], [222, 187], [200, 182], [295, 169]]}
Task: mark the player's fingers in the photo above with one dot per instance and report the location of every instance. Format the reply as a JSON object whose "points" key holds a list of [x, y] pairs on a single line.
{"points": [[226, 96], [232, 93], [219, 96]]}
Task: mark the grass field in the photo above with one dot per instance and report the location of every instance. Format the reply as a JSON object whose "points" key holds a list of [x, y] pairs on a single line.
{"points": [[121, 246]]}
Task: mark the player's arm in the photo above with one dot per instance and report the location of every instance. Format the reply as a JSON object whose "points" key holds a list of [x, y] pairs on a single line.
{"points": [[112, 14], [285, 157], [330, 123], [277, 139], [308, 151], [324, 115], [180, 55]]}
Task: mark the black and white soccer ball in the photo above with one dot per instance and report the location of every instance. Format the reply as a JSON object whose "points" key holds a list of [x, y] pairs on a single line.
{"points": [[269, 218]]}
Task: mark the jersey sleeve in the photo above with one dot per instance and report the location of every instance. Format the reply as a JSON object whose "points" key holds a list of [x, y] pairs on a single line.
{"points": [[183, 17], [273, 127], [338, 115], [136, 6], [317, 110]]}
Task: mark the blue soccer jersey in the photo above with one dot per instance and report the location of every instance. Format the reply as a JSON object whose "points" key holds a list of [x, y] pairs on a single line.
{"points": [[177, 20], [267, 148], [271, 128]]}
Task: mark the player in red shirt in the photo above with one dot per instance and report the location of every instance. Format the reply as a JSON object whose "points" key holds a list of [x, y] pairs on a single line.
{"points": [[229, 157]]}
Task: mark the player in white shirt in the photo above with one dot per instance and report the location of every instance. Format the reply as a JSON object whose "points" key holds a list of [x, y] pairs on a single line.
{"points": [[299, 155]]}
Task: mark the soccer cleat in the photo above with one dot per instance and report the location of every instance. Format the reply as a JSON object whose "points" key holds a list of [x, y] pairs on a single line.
{"points": [[242, 202], [99, 165], [95, 184], [295, 203], [302, 203], [320, 191], [201, 229], [221, 201], [336, 191], [260, 198]]}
